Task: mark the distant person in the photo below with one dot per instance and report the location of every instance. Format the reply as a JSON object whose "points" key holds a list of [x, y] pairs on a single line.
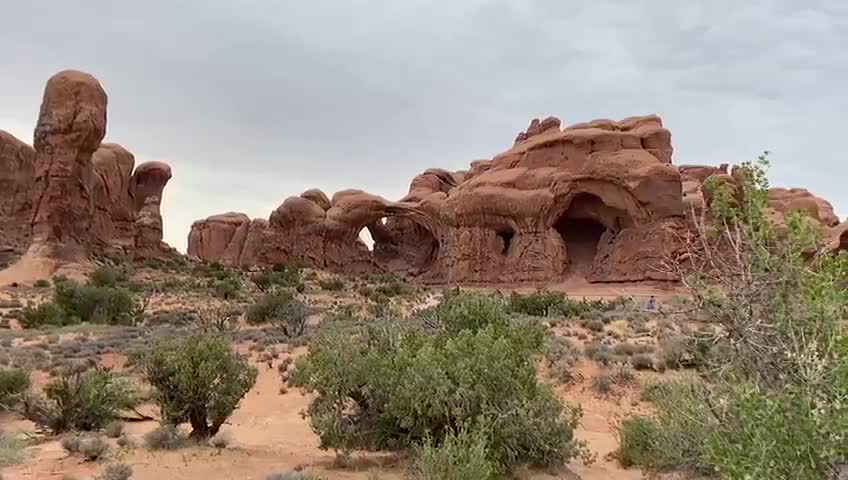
{"points": [[652, 303]]}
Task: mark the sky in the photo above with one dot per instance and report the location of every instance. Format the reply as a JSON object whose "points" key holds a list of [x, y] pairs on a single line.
{"points": [[254, 101]]}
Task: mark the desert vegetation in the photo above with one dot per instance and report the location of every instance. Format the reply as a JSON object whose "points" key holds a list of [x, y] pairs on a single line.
{"points": [[740, 374], [769, 397]]}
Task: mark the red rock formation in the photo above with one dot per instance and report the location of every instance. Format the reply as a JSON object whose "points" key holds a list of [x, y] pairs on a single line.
{"points": [[72, 196], [70, 127], [146, 187], [599, 199], [590, 198], [799, 199], [17, 175]]}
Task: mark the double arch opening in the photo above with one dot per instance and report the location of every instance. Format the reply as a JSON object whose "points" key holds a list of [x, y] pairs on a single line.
{"points": [[401, 241]]}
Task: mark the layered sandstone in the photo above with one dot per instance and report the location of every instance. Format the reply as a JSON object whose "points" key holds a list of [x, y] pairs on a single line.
{"points": [[70, 195], [592, 198], [600, 199]]}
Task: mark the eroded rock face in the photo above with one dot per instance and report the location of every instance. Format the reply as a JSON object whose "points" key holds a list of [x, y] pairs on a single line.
{"points": [[71, 195], [588, 199], [17, 176], [599, 199]]}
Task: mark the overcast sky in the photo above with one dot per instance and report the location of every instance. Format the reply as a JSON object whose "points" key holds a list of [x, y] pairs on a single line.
{"points": [[254, 101]]}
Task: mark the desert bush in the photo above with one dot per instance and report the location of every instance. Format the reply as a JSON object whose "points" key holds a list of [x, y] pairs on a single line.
{"points": [[90, 447], [106, 276], [777, 405], [630, 349], [165, 437], [642, 361], [602, 354], [396, 385], [14, 382], [228, 289], [467, 311], [332, 284], [460, 456], [116, 471], [558, 349], [74, 303], [676, 437], [114, 429], [540, 304], [278, 276], [282, 309], [199, 380], [602, 384], [45, 314], [41, 283], [11, 449], [124, 441], [80, 400]]}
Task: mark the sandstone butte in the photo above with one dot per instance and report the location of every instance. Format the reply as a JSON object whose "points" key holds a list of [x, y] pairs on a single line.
{"points": [[600, 199], [70, 196]]}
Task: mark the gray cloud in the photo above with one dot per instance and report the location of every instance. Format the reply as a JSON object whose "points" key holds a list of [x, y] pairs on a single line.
{"points": [[253, 101]]}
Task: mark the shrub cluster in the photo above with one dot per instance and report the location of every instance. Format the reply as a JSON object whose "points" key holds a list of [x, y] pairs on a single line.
{"points": [[280, 275], [544, 303], [398, 386], [74, 303]]}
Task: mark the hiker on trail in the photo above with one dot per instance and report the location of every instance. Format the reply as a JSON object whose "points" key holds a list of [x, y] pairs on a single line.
{"points": [[652, 303]]}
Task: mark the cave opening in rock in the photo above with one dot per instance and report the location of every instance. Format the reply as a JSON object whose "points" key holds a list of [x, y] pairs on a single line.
{"points": [[581, 227], [504, 241], [581, 236]]}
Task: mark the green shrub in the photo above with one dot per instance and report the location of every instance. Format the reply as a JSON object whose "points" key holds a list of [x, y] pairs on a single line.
{"points": [[280, 275], [332, 284], [199, 380], [45, 314], [639, 443], [116, 471], [165, 437], [14, 382], [42, 283], [282, 309], [85, 303], [80, 400], [106, 276], [676, 437], [394, 386], [544, 303], [460, 456], [467, 311], [540, 304], [228, 289]]}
